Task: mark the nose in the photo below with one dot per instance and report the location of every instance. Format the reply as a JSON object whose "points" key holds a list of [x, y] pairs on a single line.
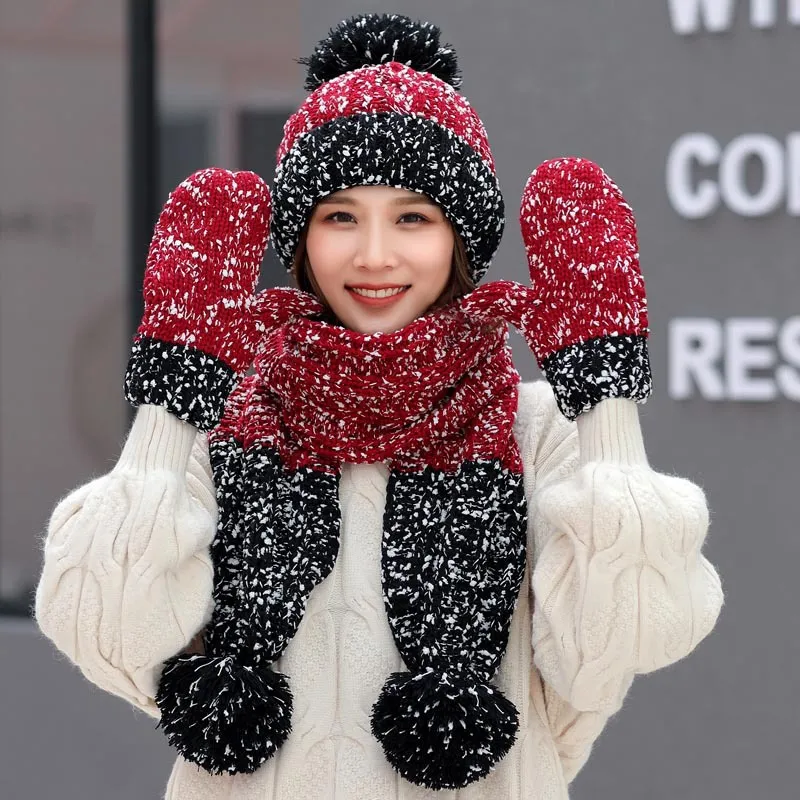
{"points": [[376, 250]]}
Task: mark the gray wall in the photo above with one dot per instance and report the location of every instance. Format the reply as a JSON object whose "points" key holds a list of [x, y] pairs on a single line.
{"points": [[614, 82], [61, 737]]}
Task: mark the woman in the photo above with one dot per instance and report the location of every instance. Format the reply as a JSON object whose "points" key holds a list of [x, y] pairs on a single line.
{"points": [[378, 566]]}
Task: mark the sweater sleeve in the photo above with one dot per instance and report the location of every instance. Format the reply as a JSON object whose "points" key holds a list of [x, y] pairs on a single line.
{"points": [[127, 575], [620, 586]]}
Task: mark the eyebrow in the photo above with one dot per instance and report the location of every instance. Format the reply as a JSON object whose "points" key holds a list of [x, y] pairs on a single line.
{"points": [[408, 200], [405, 200]]}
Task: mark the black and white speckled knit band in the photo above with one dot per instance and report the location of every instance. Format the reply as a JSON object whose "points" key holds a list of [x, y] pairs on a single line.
{"points": [[452, 566], [290, 520], [453, 549], [394, 150], [277, 538], [477, 564], [583, 374], [190, 384]]}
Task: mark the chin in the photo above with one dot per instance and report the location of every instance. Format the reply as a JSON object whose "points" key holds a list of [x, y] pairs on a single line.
{"points": [[377, 327], [368, 326], [368, 323]]}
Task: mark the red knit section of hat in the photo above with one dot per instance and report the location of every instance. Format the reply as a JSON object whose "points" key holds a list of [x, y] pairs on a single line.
{"points": [[580, 236], [393, 88]]}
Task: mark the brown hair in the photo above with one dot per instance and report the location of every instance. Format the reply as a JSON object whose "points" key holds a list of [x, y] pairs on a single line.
{"points": [[460, 282]]}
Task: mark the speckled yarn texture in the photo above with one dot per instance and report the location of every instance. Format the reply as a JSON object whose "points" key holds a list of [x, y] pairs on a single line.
{"points": [[435, 401], [590, 327], [197, 336], [392, 125]]}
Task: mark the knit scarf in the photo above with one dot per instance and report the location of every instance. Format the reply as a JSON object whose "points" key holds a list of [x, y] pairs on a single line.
{"points": [[436, 401]]}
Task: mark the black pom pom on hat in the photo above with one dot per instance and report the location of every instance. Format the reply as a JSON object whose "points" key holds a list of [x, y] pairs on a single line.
{"points": [[371, 39]]}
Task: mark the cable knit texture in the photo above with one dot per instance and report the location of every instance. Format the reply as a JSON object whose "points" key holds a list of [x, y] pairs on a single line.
{"points": [[615, 567], [127, 573]]}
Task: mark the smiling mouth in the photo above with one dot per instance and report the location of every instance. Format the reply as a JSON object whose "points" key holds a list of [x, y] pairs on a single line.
{"points": [[363, 291], [377, 298]]}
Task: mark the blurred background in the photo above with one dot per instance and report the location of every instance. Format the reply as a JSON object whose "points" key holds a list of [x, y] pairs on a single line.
{"points": [[690, 105]]}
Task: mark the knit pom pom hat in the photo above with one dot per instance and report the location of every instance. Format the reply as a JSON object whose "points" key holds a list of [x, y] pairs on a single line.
{"points": [[384, 110]]}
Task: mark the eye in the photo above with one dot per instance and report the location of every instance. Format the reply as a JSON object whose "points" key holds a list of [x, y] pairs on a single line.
{"points": [[413, 217], [340, 216]]}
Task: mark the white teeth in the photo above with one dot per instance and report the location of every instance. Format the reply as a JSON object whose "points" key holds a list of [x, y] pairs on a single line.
{"points": [[378, 292]]}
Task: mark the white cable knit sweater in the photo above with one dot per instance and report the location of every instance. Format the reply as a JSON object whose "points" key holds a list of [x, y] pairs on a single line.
{"points": [[616, 586]]}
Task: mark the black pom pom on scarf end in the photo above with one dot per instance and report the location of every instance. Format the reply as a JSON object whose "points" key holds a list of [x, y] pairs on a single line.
{"points": [[442, 732], [222, 715]]}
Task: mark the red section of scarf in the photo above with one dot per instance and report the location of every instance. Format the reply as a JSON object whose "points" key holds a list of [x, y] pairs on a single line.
{"points": [[441, 391]]}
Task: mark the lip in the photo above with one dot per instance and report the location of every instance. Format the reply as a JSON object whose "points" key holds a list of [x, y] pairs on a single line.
{"points": [[375, 285], [376, 302]]}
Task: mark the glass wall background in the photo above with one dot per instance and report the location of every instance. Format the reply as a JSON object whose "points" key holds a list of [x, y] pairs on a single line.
{"points": [[226, 84], [634, 86]]}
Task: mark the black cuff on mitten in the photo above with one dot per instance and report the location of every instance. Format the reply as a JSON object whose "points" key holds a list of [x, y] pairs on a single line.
{"points": [[583, 374], [190, 384]]}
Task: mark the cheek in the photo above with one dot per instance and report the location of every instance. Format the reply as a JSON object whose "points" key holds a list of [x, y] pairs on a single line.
{"points": [[437, 256], [326, 253]]}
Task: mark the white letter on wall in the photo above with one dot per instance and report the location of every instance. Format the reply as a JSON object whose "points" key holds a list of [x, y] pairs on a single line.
{"points": [[732, 175], [787, 377], [793, 174], [763, 13], [686, 15], [742, 354], [695, 348], [689, 201]]}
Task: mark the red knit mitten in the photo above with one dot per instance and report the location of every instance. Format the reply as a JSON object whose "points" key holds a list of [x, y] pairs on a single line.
{"points": [[589, 329], [198, 335]]}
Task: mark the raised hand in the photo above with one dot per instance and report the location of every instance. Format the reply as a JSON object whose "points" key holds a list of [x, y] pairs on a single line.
{"points": [[589, 329], [198, 335]]}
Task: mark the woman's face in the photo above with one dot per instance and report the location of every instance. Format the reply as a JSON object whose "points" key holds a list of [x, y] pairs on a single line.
{"points": [[380, 256]]}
